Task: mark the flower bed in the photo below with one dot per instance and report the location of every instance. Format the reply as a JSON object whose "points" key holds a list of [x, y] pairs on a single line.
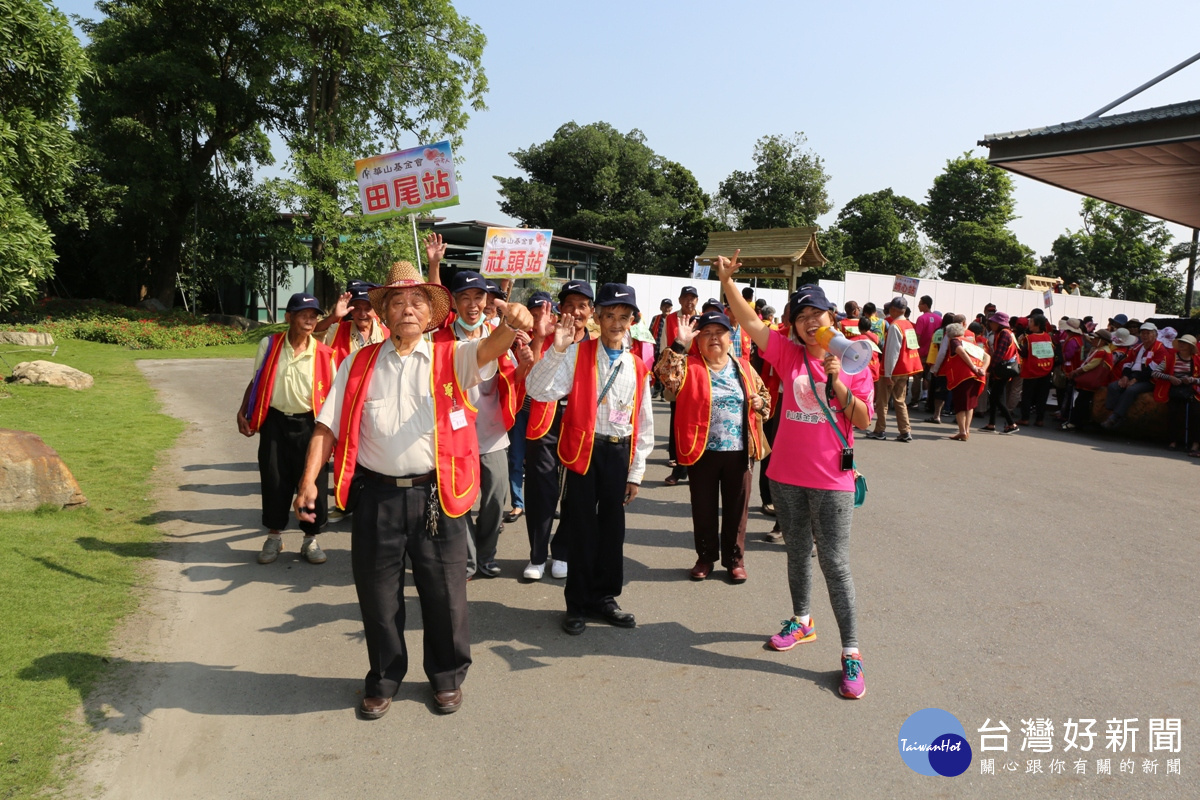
{"points": [[135, 328]]}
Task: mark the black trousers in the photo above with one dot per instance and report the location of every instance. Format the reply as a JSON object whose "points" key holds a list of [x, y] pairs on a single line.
{"points": [[541, 496], [723, 475], [1033, 398], [388, 523], [595, 516], [282, 449], [764, 484], [998, 398], [671, 435]]}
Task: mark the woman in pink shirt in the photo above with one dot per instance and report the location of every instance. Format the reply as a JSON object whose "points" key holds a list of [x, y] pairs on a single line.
{"points": [[813, 490]]}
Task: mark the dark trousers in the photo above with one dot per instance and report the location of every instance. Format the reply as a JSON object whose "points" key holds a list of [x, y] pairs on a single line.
{"points": [[997, 398], [541, 496], [1033, 398], [388, 523], [764, 484], [282, 450], [595, 516], [1183, 411], [725, 475], [1081, 408], [671, 435]]}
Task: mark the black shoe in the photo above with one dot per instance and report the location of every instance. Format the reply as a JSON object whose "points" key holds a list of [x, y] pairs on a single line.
{"points": [[514, 515], [613, 615], [489, 570], [573, 624]]}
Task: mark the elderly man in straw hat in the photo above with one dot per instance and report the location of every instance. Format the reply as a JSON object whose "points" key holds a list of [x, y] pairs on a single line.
{"points": [[401, 419]]}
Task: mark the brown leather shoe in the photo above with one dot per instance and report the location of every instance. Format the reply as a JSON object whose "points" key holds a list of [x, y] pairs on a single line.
{"points": [[701, 571], [448, 701], [737, 574], [374, 707]]}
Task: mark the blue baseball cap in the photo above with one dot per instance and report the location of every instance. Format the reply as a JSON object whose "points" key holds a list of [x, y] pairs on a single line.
{"points": [[689, 290], [358, 290], [300, 301], [493, 288], [465, 279], [713, 318], [712, 302], [617, 294], [808, 296], [577, 287], [539, 298]]}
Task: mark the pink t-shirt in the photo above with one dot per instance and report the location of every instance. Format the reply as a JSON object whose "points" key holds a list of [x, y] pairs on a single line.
{"points": [[807, 452]]}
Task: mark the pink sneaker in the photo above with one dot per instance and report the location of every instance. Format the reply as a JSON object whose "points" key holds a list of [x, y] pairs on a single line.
{"points": [[853, 685], [793, 633]]}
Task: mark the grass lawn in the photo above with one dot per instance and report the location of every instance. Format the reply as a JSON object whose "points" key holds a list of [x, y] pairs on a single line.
{"points": [[68, 577]]}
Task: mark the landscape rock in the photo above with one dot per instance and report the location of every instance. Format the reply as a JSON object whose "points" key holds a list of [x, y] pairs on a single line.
{"points": [[50, 373], [234, 321], [1147, 418], [32, 474], [152, 304], [26, 338]]}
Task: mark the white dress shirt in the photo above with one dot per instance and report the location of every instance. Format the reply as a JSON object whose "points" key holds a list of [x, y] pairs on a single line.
{"points": [[396, 434], [553, 377]]}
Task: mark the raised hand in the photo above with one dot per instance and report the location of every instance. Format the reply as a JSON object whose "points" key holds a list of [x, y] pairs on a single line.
{"points": [[435, 248], [545, 325], [727, 267], [342, 307], [687, 332], [515, 315], [564, 332]]}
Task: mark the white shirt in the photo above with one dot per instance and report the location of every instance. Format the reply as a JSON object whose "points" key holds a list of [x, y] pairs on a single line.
{"points": [[553, 377], [396, 434]]}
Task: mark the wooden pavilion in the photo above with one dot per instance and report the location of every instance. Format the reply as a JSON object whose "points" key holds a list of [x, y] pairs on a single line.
{"points": [[768, 253]]}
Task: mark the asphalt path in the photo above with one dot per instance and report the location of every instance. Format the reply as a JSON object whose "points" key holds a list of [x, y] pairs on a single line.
{"points": [[1041, 575]]}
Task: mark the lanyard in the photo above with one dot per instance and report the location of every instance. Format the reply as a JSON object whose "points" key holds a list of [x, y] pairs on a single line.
{"points": [[611, 377]]}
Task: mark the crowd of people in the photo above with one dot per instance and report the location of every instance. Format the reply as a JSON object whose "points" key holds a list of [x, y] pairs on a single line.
{"points": [[440, 413]]}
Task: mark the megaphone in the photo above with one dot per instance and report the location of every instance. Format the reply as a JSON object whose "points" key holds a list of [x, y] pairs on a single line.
{"points": [[855, 355]]}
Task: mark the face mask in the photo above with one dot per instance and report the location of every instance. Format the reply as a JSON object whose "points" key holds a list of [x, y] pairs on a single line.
{"points": [[465, 328]]}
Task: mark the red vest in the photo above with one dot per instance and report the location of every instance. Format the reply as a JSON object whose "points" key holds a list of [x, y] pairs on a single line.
{"points": [[1035, 367], [456, 452], [875, 366], [956, 371], [1162, 388], [341, 339], [264, 380], [578, 432], [673, 327], [1157, 353], [909, 362], [849, 327], [693, 409], [656, 327], [1074, 359], [541, 415]]}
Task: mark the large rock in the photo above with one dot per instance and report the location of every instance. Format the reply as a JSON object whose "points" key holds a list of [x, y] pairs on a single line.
{"points": [[32, 474], [1147, 419], [26, 338], [234, 321], [51, 374], [152, 304]]}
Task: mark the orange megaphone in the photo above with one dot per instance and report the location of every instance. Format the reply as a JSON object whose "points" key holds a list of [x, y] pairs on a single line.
{"points": [[855, 355]]}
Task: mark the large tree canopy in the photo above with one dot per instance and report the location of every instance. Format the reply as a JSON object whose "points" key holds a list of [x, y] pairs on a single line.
{"points": [[41, 63], [786, 188], [1119, 253], [594, 183], [881, 233], [967, 213]]}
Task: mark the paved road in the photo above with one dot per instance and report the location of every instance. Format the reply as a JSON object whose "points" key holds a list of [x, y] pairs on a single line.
{"points": [[1007, 578]]}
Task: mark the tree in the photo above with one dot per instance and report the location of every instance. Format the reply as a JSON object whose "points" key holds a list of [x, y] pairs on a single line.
{"points": [[592, 182], [175, 117], [967, 213], [882, 235], [41, 63], [356, 79], [1123, 254], [786, 189]]}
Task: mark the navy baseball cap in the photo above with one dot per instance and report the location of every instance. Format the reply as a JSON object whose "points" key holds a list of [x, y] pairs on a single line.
{"points": [[300, 301], [358, 290], [465, 279], [713, 318], [538, 298], [666, 301], [493, 288], [576, 287], [809, 296], [617, 294], [712, 302], [689, 290]]}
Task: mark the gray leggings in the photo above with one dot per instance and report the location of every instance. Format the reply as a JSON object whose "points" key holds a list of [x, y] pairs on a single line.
{"points": [[823, 515]]}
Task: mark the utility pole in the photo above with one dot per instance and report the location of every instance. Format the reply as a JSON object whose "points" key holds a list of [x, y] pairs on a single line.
{"points": [[1191, 275]]}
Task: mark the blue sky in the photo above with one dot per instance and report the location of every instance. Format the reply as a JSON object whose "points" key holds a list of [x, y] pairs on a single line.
{"points": [[886, 92]]}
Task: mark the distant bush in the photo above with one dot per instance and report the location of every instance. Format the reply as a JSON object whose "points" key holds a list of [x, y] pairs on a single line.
{"points": [[135, 328]]}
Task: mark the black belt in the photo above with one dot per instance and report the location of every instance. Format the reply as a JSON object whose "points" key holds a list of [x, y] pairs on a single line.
{"points": [[613, 439], [301, 415], [403, 482]]}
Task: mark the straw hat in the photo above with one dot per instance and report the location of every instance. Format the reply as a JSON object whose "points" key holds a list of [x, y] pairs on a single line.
{"points": [[1072, 325], [403, 275]]}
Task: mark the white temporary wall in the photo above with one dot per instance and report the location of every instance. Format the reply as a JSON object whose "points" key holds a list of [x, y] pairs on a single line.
{"points": [[651, 289], [969, 298]]}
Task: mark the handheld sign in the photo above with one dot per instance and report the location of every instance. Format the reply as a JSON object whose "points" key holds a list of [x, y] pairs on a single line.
{"points": [[407, 181], [905, 285], [1048, 298], [515, 252]]}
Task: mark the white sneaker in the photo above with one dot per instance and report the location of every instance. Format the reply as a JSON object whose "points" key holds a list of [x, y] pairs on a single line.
{"points": [[534, 572], [558, 569]]}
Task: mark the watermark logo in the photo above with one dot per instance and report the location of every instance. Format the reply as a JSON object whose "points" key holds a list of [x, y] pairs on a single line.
{"points": [[933, 742]]}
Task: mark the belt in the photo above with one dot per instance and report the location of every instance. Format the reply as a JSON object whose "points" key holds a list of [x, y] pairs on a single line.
{"points": [[613, 439], [301, 415], [405, 482]]}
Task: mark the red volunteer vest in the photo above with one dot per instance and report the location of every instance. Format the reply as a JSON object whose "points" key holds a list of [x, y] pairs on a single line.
{"points": [[909, 362], [341, 339], [1073, 361], [1162, 388], [576, 438], [849, 327], [511, 391], [264, 381], [541, 415], [1036, 366], [693, 409], [456, 452], [875, 366], [956, 371]]}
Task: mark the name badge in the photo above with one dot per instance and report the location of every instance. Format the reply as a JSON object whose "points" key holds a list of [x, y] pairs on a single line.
{"points": [[458, 419], [618, 416]]}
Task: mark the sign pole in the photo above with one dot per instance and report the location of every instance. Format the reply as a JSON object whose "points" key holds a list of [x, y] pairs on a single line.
{"points": [[412, 218]]}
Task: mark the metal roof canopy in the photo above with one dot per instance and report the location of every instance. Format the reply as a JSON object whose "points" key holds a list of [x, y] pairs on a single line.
{"points": [[789, 250]]}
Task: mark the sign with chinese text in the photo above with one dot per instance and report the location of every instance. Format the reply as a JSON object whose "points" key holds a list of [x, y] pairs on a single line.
{"points": [[407, 181], [905, 285], [700, 271], [514, 252], [1048, 298]]}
